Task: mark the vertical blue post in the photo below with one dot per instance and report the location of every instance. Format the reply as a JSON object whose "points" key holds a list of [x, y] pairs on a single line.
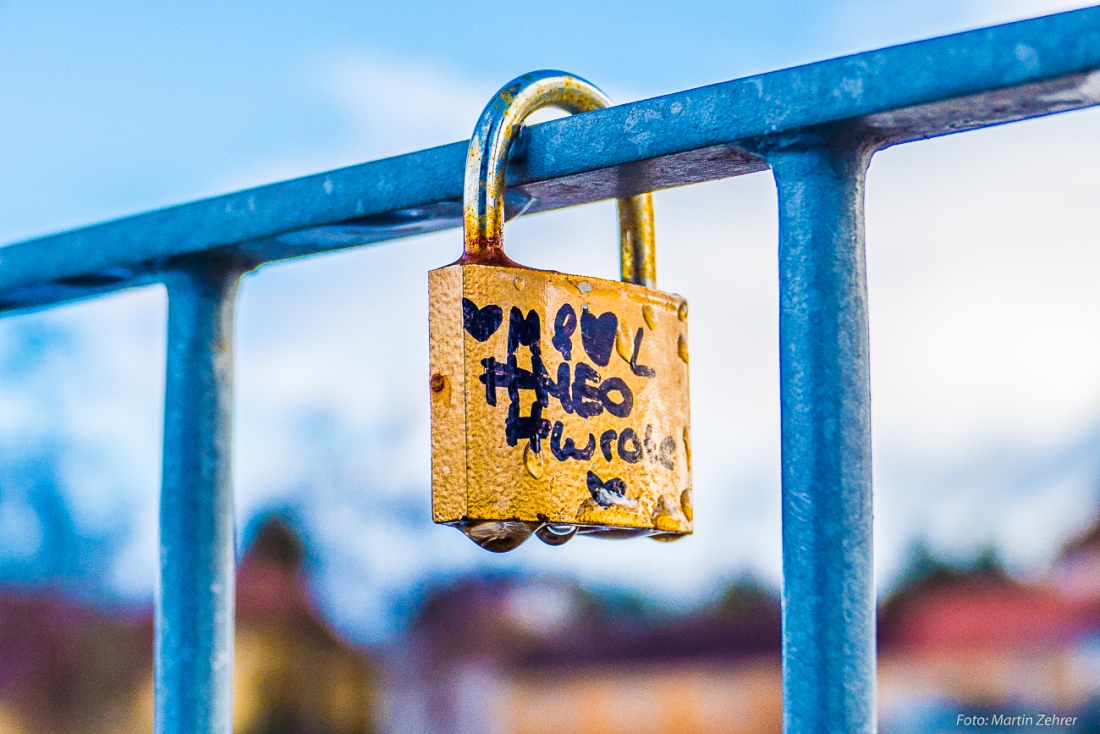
{"points": [[828, 585], [194, 606]]}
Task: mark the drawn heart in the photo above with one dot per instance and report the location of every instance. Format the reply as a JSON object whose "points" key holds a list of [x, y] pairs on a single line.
{"points": [[611, 492], [481, 323], [598, 335]]}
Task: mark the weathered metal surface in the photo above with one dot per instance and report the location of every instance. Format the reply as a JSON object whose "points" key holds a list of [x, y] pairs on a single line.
{"points": [[194, 600], [637, 241], [828, 582], [557, 399], [497, 129], [545, 418], [902, 93]]}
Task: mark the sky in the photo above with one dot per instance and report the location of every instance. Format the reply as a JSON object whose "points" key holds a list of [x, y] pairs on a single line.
{"points": [[982, 264]]}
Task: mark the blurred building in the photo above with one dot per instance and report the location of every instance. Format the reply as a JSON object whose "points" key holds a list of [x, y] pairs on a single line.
{"points": [[67, 668], [508, 654], [978, 641], [516, 655], [293, 674]]}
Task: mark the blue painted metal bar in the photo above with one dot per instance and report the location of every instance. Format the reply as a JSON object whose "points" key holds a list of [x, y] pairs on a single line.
{"points": [[898, 94], [194, 604], [828, 583]]}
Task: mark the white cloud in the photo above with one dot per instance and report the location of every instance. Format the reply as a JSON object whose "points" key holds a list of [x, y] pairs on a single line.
{"points": [[982, 264], [387, 107], [398, 105], [1004, 11]]}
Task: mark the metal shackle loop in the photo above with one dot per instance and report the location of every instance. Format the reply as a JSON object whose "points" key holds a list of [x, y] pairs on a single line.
{"points": [[483, 192]]}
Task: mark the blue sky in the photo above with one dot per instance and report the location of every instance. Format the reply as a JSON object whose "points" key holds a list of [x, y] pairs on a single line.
{"points": [[981, 254], [116, 107]]}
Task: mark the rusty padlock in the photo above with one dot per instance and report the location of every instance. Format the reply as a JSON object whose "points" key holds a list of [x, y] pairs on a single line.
{"points": [[559, 402]]}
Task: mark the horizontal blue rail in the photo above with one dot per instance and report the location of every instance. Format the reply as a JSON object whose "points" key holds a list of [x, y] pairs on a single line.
{"points": [[898, 94], [815, 126]]}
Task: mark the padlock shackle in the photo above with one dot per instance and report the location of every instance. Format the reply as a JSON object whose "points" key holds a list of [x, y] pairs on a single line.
{"points": [[483, 192]]}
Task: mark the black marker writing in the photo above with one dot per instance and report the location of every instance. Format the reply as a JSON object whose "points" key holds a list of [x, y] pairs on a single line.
{"points": [[598, 335], [565, 323], [605, 494], [577, 387], [631, 455], [568, 449], [605, 442], [481, 323], [639, 369]]}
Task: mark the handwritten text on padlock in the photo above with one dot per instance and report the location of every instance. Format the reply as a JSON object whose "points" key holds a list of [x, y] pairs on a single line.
{"points": [[579, 389]]}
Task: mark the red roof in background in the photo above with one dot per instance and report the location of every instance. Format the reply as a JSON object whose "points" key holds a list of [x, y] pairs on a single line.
{"points": [[988, 614]]}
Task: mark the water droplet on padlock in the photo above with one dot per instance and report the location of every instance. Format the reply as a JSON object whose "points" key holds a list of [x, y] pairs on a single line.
{"points": [[622, 343], [606, 532], [682, 312], [532, 460], [498, 536], [519, 283], [666, 537], [685, 504], [687, 448], [554, 534], [682, 348], [650, 316]]}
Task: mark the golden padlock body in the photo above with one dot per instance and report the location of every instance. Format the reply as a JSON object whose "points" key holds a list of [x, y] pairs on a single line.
{"points": [[597, 464]]}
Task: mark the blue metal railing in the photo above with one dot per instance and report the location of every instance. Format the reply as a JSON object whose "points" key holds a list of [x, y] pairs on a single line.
{"points": [[815, 126]]}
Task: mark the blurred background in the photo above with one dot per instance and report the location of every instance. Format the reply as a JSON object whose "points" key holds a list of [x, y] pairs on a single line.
{"points": [[355, 613]]}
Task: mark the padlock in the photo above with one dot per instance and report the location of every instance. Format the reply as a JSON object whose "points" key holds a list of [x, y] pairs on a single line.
{"points": [[559, 402]]}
